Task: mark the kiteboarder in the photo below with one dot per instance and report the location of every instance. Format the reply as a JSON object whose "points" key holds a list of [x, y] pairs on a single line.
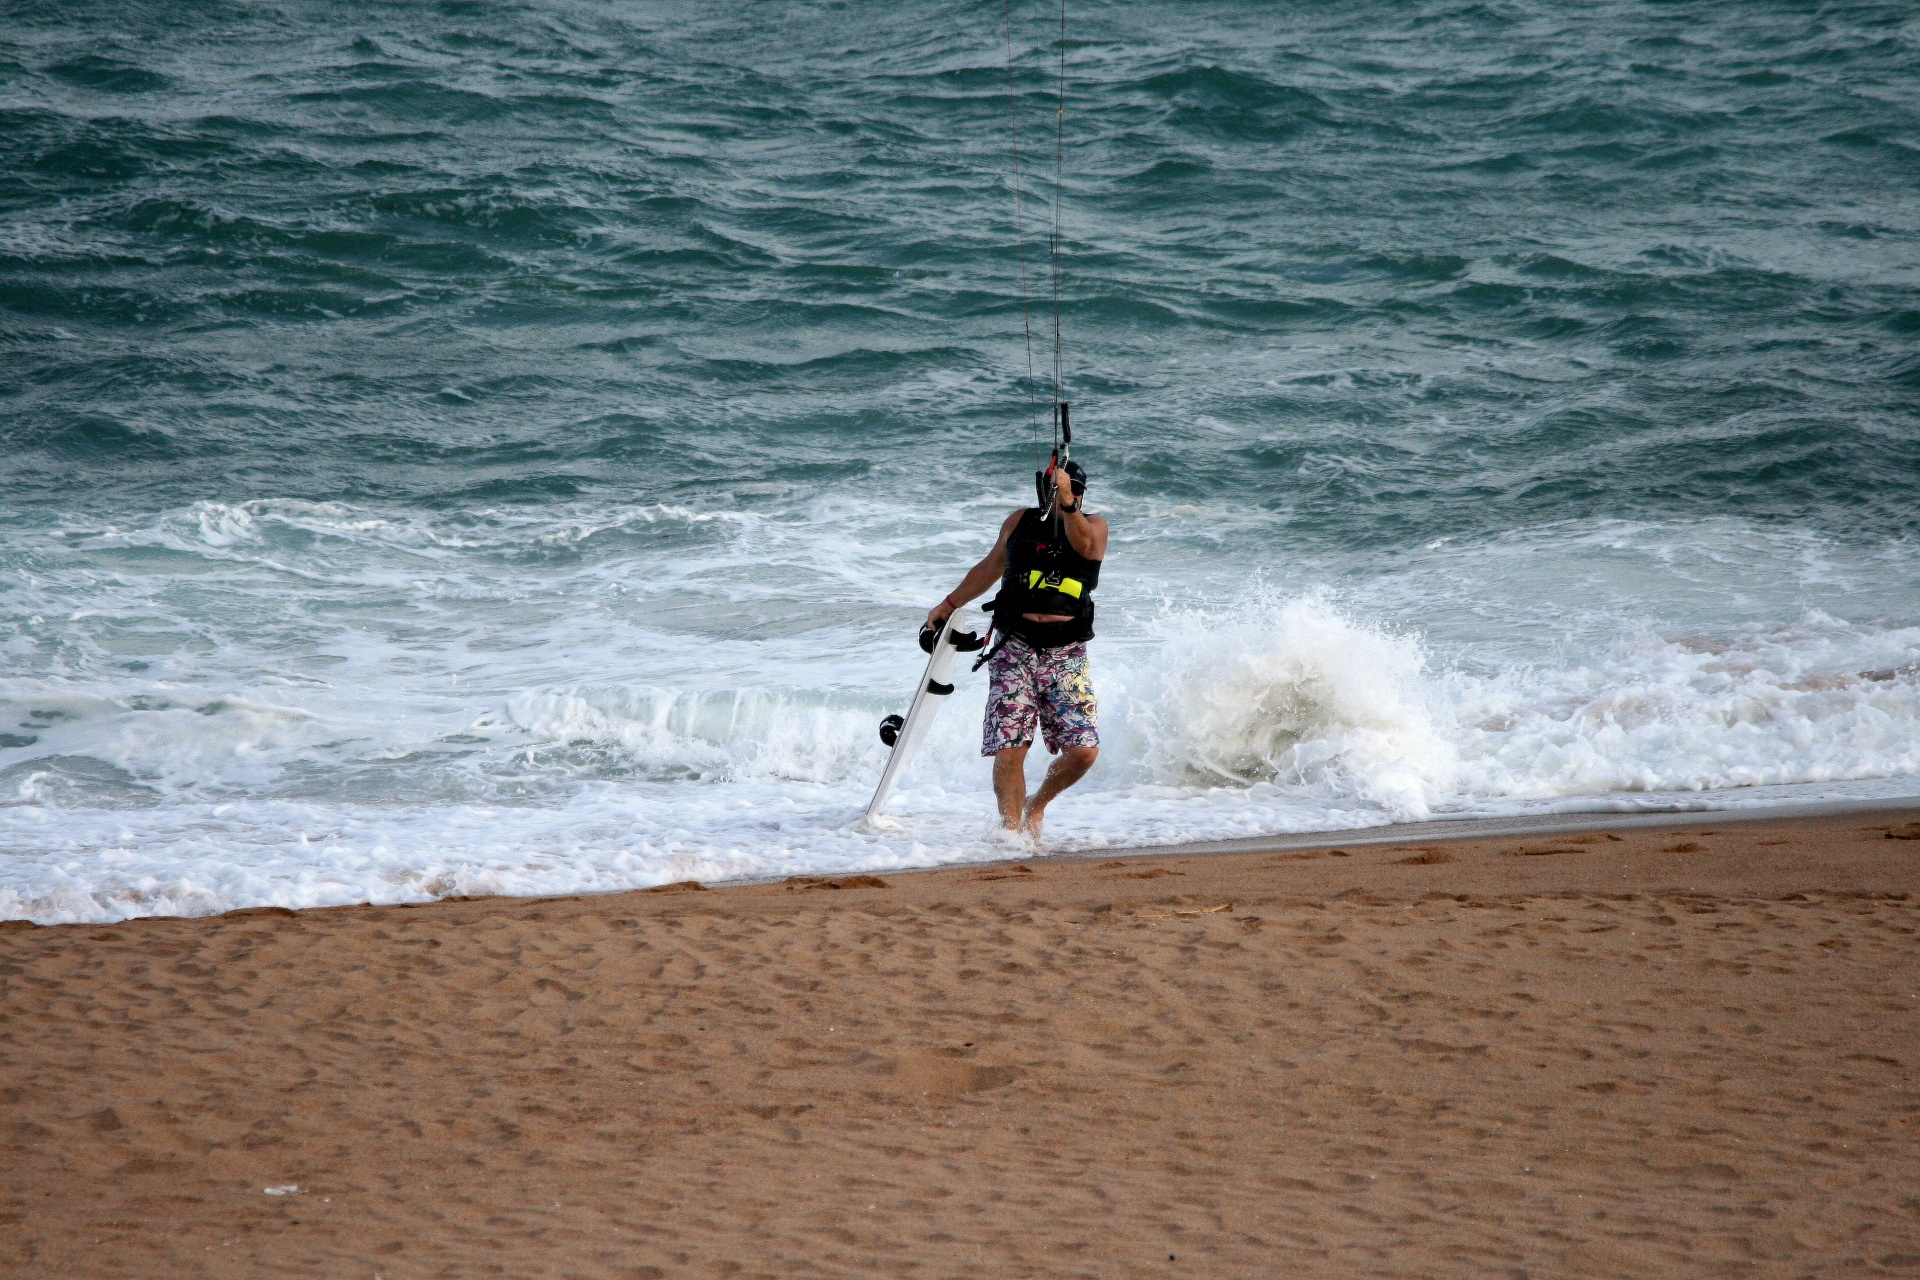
{"points": [[1047, 562]]}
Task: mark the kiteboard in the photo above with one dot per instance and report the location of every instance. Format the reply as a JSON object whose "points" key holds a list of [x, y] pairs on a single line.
{"points": [[903, 733]]}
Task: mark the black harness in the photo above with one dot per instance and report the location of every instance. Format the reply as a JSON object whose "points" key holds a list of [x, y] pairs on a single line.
{"points": [[1045, 575]]}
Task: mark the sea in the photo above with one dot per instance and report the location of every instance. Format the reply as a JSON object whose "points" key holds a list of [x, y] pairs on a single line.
{"points": [[489, 447]]}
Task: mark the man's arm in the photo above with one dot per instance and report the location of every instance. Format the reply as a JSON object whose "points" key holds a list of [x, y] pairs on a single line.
{"points": [[1088, 534], [979, 578]]}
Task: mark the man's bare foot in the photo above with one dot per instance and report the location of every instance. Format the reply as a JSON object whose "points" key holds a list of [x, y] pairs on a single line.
{"points": [[1011, 842], [1032, 819]]}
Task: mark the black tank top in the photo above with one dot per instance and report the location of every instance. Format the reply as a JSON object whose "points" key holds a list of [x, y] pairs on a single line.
{"points": [[1046, 575]]}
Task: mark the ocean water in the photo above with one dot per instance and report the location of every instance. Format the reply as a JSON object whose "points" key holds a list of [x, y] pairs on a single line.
{"points": [[478, 447]]}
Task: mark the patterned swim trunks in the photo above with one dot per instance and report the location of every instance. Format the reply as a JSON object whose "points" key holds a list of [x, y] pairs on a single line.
{"points": [[1048, 685]]}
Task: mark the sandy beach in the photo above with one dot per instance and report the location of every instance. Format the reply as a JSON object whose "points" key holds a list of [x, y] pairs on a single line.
{"points": [[1686, 1051]]}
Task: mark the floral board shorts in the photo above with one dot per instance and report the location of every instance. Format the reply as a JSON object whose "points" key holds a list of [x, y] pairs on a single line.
{"points": [[1048, 685]]}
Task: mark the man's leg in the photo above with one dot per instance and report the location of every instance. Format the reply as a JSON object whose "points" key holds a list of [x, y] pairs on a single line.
{"points": [[1013, 707], [1068, 768], [1069, 721], [1010, 784]]}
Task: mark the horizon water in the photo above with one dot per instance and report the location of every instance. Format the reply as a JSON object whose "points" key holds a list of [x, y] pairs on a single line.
{"points": [[507, 448]]}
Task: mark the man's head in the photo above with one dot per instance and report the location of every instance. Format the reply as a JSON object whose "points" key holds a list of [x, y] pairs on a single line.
{"points": [[1047, 483]]}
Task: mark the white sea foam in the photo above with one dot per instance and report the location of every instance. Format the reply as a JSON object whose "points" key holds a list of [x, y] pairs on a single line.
{"points": [[334, 724], [1294, 693]]}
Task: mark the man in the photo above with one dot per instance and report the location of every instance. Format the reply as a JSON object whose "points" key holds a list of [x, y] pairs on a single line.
{"points": [[1047, 562]]}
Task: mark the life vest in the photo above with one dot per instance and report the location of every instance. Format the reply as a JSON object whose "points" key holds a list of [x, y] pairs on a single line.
{"points": [[1045, 575]]}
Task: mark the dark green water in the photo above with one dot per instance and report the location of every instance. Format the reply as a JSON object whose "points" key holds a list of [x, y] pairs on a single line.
{"points": [[500, 446]]}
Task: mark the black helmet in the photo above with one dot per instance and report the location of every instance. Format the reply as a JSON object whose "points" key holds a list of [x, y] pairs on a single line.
{"points": [[1044, 484]]}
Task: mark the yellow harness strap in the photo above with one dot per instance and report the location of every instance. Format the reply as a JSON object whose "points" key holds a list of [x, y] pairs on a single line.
{"points": [[1054, 582]]}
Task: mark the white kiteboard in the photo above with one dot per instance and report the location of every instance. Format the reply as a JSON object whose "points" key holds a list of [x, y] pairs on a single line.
{"points": [[936, 682]]}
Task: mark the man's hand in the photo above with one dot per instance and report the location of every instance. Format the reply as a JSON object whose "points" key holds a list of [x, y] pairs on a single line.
{"points": [[941, 612]]}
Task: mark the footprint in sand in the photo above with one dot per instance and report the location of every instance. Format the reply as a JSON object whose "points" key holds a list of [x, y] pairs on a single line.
{"points": [[806, 884], [945, 1076]]}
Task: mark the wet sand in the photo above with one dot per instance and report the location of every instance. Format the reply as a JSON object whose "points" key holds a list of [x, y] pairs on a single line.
{"points": [[1645, 1052]]}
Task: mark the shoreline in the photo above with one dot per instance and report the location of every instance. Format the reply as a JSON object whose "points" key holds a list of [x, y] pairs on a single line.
{"points": [[1671, 1049], [1431, 831], [1668, 816], [1573, 822]]}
